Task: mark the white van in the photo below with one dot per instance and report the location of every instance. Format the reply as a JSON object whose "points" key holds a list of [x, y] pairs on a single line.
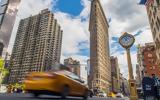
{"points": [[102, 94]]}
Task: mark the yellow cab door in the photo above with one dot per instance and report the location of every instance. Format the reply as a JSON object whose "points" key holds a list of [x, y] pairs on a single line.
{"points": [[80, 87], [76, 87]]}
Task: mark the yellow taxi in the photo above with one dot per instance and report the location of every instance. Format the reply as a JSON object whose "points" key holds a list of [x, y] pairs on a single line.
{"points": [[111, 94], [63, 83]]}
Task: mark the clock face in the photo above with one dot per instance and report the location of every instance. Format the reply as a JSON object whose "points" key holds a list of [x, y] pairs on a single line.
{"points": [[127, 40]]}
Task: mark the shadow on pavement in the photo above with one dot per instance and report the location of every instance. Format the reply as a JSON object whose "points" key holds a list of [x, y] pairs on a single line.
{"points": [[51, 98]]}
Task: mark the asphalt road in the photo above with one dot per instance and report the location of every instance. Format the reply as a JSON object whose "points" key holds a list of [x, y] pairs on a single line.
{"points": [[29, 97]]}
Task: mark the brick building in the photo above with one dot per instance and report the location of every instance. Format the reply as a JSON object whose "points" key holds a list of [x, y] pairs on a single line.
{"points": [[149, 55], [148, 58]]}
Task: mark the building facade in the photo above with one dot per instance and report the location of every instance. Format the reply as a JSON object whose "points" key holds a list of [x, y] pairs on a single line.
{"points": [[88, 67], [140, 62], [115, 79], [100, 77], [1, 48], [37, 45], [148, 61], [83, 73], [88, 71], [9, 9], [138, 76], [121, 81], [73, 65], [124, 85], [153, 12]]}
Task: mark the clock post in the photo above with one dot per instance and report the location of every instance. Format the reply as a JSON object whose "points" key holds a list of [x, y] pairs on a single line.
{"points": [[126, 41]]}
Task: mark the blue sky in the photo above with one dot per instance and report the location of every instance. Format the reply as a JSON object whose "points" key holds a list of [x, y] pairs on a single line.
{"points": [[73, 7]]}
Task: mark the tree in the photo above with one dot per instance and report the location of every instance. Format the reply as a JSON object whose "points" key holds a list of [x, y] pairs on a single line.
{"points": [[1, 64], [3, 71]]}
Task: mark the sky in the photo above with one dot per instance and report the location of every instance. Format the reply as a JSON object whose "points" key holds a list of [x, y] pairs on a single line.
{"points": [[73, 16]]}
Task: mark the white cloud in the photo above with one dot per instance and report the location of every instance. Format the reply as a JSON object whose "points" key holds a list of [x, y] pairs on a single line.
{"points": [[86, 10], [75, 31], [144, 37]]}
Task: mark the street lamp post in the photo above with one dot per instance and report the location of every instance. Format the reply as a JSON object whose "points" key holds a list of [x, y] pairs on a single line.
{"points": [[126, 41]]}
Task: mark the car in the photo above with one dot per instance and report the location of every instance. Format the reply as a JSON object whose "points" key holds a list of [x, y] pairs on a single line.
{"points": [[63, 83], [102, 94], [112, 95], [119, 95], [3, 88]]}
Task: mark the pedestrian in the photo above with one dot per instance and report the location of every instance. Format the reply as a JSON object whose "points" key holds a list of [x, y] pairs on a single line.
{"points": [[148, 88], [9, 88], [156, 86]]}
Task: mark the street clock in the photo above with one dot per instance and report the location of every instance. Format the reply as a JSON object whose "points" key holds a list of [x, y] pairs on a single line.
{"points": [[126, 40]]}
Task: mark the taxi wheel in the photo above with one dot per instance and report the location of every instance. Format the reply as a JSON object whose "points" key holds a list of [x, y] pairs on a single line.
{"points": [[35, 95], [65, 92], [85, 97]]}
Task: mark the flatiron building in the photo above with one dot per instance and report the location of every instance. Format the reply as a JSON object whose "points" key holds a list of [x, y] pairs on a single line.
{"points": [[100, 68]]}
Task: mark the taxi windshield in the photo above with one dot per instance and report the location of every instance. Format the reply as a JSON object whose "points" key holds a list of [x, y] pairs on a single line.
{"points": [[69, 74]]}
